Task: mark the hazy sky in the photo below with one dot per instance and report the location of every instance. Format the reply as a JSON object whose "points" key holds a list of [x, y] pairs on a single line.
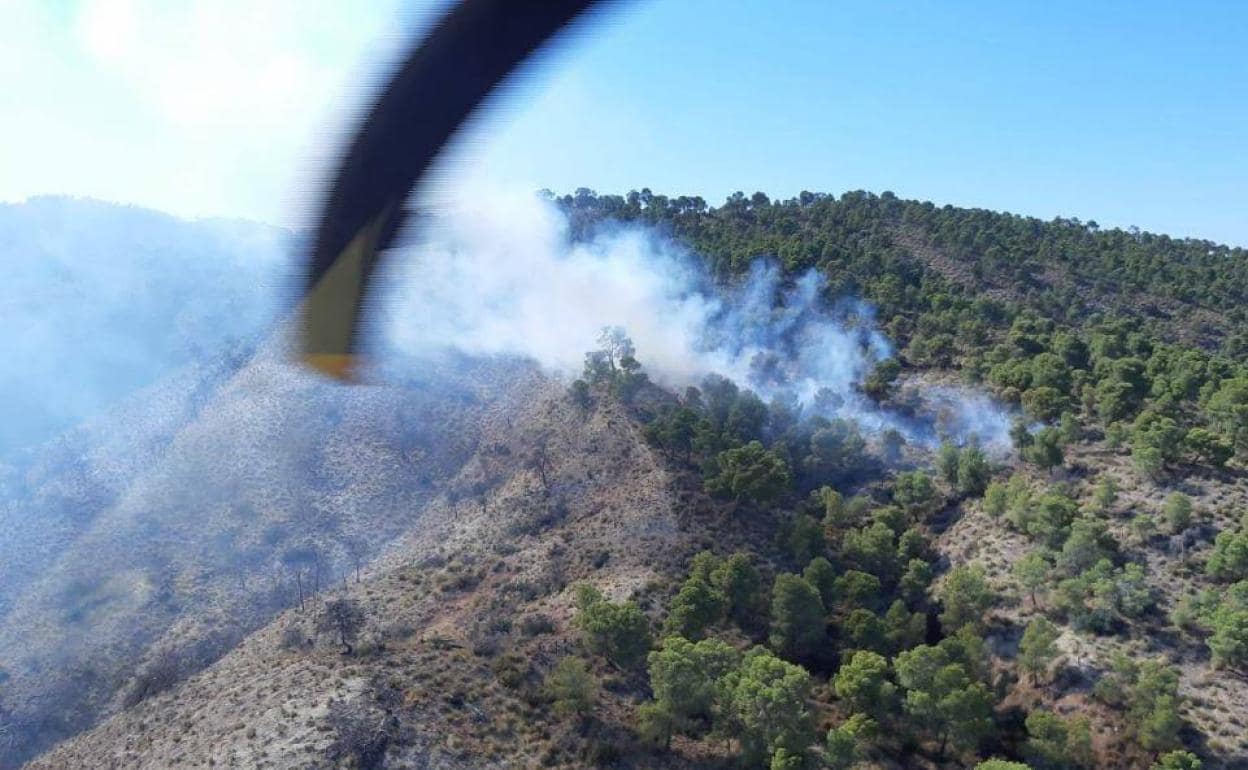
{"points": [[1122, 112]]}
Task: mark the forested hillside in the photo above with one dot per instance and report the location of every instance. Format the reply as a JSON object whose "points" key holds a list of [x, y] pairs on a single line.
{"points": [[1093, 583], [628, 574], [925, 266]]}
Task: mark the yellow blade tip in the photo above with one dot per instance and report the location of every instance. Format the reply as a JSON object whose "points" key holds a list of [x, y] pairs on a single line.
{"points": [[340, 366]]}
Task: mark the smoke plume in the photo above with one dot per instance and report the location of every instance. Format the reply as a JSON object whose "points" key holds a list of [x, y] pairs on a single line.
{"points": [[499, 275]]}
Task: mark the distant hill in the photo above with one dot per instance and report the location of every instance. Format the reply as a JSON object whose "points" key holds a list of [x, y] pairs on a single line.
{"points": [[207, 502], [99, 299]]}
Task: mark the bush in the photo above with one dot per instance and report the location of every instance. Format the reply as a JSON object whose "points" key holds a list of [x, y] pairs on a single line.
{"points": [[536, 624], [165, 669], [570, 687]]}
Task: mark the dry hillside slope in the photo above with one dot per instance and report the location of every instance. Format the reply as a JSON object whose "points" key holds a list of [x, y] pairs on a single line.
{"points": [[463, 615], [275, 484]]}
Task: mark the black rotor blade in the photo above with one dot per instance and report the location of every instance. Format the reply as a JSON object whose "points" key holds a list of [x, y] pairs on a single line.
{"points": [[447, 76]]}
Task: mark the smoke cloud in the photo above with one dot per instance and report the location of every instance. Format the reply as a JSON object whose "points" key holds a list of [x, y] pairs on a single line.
{"points": [[498, 275]]}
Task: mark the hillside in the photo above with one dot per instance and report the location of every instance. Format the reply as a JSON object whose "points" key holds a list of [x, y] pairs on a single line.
{"points": [[626, 571], [482, 584], [191, 514]]}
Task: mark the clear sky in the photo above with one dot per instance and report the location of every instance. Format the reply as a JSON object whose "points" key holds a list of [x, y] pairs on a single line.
{"points": [[1129, 113]]}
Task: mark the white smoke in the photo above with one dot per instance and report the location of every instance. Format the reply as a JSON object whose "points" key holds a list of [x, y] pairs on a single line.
{"points": [[499, 275]]}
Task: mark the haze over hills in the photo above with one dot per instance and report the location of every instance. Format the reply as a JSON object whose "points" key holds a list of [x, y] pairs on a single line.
{"points": [[100, 299], [240, 565]]}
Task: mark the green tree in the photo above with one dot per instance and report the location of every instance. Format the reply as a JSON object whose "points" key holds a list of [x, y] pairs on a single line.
{"points": [[1049, 370], [673, 431], [1208, 447], [834, 514], [805, 539], [764, 706], [1159, 729], [872, 549], [784, 759], [1038, 647], [1148, 459], [903, 629], [915, 580], [1177, 512], [1229, 559], [1228, 622], [1045, 451], [995, 499], [843, 747], [1033, 571], [964, 597], [1044, 403], [571, 688], [1150, 692], [1068, 427], [1133, 595], [1156, 441], [742, 587], [855, 588], [1049, 518], [835, 450], [749, 474], [892, 442], [915, 493], [947, 463], [973, 471], [578, 393], [1116, 435], [1088, 542], [798, 626], [1228, 410], [697, 606], [911, 545], [684, 676], [656, 725], [880, 382], [343, 617], [862, 682], [1105, 494], [620, 632], [862, 629], [1054, 743], [1121, 391], [942, 697], [822, 575]]}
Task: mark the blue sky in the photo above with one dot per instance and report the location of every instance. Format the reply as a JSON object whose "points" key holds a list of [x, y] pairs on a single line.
{"points": [[1126, 113]]}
